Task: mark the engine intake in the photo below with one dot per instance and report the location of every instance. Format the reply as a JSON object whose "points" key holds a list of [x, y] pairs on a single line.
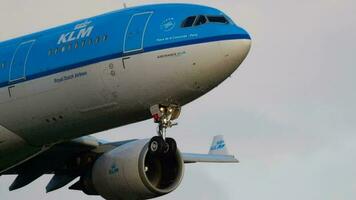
{"points": [[132, 172]]}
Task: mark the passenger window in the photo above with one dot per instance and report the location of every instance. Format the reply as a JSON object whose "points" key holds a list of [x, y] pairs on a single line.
{"points": [[218, 19], [189, 22], [201, 20]]}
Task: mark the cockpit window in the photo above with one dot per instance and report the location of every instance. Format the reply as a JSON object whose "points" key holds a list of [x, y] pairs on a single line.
{"points": [[218, 19], [200, 21], [189, 21]]}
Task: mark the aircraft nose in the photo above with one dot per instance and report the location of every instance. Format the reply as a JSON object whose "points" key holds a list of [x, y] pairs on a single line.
{"points": [[239, 48], [224, 59], [221, 59], [234, 52]]}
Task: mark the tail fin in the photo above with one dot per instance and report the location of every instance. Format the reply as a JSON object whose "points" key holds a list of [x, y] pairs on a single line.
{"points": [[218, 146]]}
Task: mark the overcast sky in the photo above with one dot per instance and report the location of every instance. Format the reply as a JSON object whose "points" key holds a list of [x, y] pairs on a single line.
{"points": [[288, 113]]}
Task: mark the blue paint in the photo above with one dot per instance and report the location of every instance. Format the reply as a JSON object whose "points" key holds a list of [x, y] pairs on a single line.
{"points": [[117, 34], [135, 32], [218, 146], [18, 62]]}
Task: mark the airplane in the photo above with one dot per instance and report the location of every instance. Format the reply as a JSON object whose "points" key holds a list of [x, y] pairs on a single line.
{"points": [[61, 85]]}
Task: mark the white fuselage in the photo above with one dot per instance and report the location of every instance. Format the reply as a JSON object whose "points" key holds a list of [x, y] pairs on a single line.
{"points": [[108, 94]]}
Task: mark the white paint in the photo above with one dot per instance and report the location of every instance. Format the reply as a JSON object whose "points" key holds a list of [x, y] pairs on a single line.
{"points": [[109, 95]]}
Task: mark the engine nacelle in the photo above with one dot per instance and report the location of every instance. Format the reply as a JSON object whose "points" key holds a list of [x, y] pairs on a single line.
{"points": [[132, 172]]}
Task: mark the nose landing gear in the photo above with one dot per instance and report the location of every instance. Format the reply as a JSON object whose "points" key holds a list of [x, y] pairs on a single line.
{"points": [[164, 116]]}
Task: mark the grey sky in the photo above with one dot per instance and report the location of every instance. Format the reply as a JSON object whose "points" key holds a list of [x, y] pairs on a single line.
{"points": [[288, 113]]}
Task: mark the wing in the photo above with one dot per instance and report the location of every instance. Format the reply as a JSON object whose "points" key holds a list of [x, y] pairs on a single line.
{"points": [[218, 153], [70, 160], [66, 161]]}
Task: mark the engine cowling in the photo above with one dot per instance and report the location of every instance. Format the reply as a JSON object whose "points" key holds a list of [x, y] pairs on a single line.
{"points": [[132, 172]]}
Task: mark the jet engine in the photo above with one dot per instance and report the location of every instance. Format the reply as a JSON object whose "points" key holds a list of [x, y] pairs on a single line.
{"points": [[131, 171]]}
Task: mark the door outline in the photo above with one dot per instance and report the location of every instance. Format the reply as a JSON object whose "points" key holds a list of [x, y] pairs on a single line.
{"points": [[143, 33], [32, 42]]}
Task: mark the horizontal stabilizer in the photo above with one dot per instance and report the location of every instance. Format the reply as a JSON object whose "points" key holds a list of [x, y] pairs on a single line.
{"points": [[193, 158], [218, 153]]}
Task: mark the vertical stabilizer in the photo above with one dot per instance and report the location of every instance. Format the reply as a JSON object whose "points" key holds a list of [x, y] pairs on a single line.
{"points": [[218, 146]]}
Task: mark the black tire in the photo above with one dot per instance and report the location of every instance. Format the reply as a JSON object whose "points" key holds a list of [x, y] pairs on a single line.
{"points": [[172, 146], [156, 145], [166, 148]]}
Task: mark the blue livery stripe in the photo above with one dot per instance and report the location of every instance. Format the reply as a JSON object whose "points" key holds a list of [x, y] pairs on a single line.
{"points": [[121, 54]]}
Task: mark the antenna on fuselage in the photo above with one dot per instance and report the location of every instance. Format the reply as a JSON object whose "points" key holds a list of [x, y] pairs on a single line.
{"points": [[125, 6]]}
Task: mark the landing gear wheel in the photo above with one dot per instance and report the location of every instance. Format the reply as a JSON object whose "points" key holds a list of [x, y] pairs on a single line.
{"points": [[156, 145], [166, 148], [164, 116], [171, 143]]}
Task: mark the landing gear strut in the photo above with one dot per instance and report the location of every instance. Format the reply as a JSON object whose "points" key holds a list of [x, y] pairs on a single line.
{"points": [[164, 117]]}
